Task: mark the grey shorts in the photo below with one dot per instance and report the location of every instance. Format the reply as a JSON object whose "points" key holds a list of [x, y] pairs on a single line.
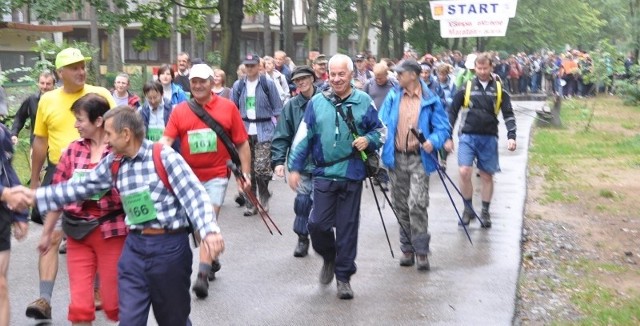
{"points": [[216, 188]]}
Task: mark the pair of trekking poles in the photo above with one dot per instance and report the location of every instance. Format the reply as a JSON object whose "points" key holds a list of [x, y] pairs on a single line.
{"points": [[442, 174]]}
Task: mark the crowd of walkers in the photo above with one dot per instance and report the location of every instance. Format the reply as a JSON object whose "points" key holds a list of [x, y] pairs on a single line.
{"points": [[129, 177]]}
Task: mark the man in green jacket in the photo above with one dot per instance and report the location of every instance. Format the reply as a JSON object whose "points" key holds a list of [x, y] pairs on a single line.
{"points": [[292, 113]]}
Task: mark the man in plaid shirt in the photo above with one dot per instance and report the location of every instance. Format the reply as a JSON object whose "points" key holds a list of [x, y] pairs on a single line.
{"points": [[155, 266]]}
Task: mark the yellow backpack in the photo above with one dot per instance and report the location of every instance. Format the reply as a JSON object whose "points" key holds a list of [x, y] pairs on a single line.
{"points": [[467, 96]]}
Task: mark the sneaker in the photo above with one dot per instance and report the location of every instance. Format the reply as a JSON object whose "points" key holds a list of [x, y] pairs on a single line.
{"points": [[250, 211], [97, 299], [302, 249], [344, 290], [467, 216], [486, 219], [39, 309], [201, 287], [215, 267], [423, 263], [327, 271], [63, 246], [407, 259]]}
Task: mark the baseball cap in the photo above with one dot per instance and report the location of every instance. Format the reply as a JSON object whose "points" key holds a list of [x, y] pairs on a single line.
{"points": [[302, 71], [359, 57], [471, 61], [320, 59], [409, 65], [200, 70], [69, 56], [251, 59]]}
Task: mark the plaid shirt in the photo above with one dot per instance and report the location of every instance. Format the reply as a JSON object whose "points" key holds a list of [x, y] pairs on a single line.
{"points": [[190, 200], [78, 156]]}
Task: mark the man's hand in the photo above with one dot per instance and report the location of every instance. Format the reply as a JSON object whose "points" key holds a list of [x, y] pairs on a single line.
{"points": [[294, 180], [18, 198], [244, 184], [14, 139], [20, 230], [213, 244], [511, 145], [427, 146], [360, 143], [279, 170], [448, 145]]}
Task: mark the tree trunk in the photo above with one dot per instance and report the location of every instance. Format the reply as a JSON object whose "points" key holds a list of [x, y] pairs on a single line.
{"points": [[208, 39], [343, 26], [363, 10], [287, 25], [231, 16], [95, 43], [385, 26], [266, 35], [456, 44], [173, 42], [397, 27], [115, 63], [193, 50], [312, 25]]}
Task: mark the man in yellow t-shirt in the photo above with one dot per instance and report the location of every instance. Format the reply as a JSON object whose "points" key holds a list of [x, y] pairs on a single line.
{"points": [[54, 130]]}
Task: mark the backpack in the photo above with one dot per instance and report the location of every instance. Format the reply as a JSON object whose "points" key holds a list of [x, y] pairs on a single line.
{"points": [[262, 80], [467, 96]]}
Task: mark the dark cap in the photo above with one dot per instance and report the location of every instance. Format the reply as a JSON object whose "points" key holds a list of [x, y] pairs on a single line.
{"points": [[320, 59], [251, 59], [359, 57], [302, 71], [409, 65]]}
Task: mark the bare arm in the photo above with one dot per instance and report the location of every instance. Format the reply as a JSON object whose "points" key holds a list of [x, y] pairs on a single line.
{"points": [[40, 145], [245, 157]]}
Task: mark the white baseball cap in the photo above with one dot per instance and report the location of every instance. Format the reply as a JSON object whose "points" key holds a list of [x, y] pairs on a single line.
{"points": [[200, 70], [471, 61]]}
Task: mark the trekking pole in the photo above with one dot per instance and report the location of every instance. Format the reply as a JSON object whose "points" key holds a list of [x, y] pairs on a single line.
{"points": [[252, 198], [375, 197], [441, 172]]}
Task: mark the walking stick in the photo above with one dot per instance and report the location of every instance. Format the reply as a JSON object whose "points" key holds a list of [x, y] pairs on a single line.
{"points": [[375, 197], [252, 198]]}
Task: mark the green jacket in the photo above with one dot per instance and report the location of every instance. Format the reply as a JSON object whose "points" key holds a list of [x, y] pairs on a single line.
{"points": [[463, 77], [288, 123]]}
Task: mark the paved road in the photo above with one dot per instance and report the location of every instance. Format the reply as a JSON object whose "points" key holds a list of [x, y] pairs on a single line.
{"points": [[261, 283]]}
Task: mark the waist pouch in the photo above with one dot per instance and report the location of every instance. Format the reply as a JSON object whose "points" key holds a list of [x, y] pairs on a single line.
{"points": [[78, 228]]}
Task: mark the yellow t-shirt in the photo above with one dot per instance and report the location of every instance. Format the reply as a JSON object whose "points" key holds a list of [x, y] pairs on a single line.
{"points": [[56, 122]]}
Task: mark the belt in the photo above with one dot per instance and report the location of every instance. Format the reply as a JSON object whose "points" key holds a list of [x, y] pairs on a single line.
{"points": [[414, 152], [152, 231]]}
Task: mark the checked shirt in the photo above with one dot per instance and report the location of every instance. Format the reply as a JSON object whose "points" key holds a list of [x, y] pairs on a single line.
{"points": [[78, 156], [190, 200]]}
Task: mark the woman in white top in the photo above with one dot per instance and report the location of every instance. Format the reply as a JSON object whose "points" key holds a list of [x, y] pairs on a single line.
{"points": [[278, 78]]}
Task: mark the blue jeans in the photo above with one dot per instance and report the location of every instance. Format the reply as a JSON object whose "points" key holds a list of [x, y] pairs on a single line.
{"points": [[155, 270]]}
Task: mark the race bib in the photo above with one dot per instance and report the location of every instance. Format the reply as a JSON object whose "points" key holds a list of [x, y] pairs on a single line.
{"points": [[202, 141], [154, 133], [80, 175], [138, 206]]}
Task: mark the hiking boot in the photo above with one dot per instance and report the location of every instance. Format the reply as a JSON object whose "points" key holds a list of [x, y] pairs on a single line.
{"points": [[215, 267], [344, 290], [486, 219], [467, 216], [201, 287], [97, 299], [327, 271], [63, 246], [39, 309], [302, 249], [240, 200], [423, 263], [264, 201], [250, 211], [407, 259]]}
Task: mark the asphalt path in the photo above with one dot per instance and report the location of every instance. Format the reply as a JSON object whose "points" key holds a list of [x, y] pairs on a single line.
{"points": [[261, 283]]}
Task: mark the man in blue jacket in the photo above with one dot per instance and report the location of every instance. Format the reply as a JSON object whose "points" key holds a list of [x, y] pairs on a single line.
{"points": [[412, 105], [325, 137]]}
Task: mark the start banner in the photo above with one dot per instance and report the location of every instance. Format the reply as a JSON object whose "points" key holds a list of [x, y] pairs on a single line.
{"points": [[473, 27], [473, 9]]}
